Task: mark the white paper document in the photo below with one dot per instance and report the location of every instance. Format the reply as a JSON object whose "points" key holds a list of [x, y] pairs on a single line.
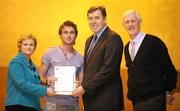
{"points": [[66, 75]]}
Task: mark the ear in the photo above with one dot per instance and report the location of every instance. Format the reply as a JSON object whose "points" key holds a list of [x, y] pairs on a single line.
{"points": [[105, 20]]}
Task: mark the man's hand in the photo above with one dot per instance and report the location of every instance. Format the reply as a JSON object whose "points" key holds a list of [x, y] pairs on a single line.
{"points": [[78, 92], [170, 98], [77, 83]]}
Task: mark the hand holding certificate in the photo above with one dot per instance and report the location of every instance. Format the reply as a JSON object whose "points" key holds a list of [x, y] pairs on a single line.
{"points": [[66, 75]]}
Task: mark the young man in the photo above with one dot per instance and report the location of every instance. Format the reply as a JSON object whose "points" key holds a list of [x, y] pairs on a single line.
{"points": [[64, 55], [102, 85], [151, 73]]}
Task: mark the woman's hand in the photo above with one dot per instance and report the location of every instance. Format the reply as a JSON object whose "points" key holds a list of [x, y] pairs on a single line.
{"points": [[50, 92], [51, 80]]}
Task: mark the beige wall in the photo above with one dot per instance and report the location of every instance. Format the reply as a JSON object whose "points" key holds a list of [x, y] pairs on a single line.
{"points": [[43, 17]]}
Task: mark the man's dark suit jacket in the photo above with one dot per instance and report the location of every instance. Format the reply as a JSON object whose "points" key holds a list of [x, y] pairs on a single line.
{"points": [[101, 80], [152, 71]]}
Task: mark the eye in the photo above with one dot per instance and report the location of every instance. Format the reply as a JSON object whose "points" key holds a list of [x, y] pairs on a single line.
{"points": [[65, 32], [89, 18], [97, 17], [126, 22], [72, 32], [31, 44], [24, 44]]}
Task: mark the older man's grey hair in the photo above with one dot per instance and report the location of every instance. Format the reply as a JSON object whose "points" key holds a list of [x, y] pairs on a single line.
{"points": [[131, 11]]}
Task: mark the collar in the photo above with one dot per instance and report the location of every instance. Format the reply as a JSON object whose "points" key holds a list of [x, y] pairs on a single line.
{"points": [[140, 36], [29, 63], [100, 33]]}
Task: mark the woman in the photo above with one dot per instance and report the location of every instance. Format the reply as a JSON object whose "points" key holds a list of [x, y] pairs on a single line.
{"points": [[23, 82]]}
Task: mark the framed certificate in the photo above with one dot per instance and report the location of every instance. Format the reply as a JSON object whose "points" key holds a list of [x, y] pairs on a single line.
{"points": [[66, 75]]}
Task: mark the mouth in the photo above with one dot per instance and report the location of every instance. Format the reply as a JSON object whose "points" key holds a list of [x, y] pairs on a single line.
{"points": [[94, 27], [131, 29]]}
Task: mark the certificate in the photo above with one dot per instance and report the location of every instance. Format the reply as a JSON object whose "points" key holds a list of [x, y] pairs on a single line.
{"points": [[66, 75]]}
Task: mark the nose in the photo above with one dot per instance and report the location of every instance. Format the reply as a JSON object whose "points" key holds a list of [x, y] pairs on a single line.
{"points": [[29, 46], [92, 21], [130, 23]]}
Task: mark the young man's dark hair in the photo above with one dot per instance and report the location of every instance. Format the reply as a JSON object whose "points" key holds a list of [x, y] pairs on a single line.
{"points": [[68, 23]]}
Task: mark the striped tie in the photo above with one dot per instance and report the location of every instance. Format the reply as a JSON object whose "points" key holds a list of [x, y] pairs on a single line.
{"points": [[93, 43], [132, 52]]}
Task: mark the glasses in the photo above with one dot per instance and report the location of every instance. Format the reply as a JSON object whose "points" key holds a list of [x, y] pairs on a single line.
{"points": [[70, 32]]}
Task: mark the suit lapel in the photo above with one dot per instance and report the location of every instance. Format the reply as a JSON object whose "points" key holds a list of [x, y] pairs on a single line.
{"points": [[88, 42], [98, 44]]}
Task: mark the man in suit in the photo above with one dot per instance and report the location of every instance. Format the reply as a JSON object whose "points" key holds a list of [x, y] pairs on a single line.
{"points": [[102, 86], [151, 73]]}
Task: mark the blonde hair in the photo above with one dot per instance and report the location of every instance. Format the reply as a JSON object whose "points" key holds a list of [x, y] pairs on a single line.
{"points": [[131, 11], [26, 36]]}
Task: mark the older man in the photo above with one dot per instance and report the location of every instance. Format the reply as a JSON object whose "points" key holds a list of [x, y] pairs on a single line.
{"points": [[102, 85], [151, 73]]}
